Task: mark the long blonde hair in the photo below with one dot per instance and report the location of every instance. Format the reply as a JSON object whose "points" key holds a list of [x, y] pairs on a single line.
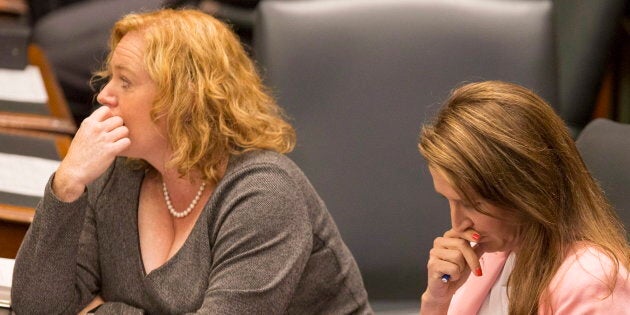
{"points": [[209, 91], [503, 143]]}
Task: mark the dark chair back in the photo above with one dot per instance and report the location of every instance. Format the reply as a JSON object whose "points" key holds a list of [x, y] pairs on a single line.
{"points": [[360, 77], [585, 36], [605, 148]]}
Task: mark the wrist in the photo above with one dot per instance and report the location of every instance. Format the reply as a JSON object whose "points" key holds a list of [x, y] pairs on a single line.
{"points": [[65, 188], [430, 305], [93, 311]]}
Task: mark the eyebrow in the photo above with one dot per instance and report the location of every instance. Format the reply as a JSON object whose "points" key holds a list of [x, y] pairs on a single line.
{"points": [[120, 67], [447, 198], [476, 200]]}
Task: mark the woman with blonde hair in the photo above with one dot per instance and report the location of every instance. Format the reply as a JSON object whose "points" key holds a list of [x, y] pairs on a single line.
{"points": [[205, 214], [532, 233]]}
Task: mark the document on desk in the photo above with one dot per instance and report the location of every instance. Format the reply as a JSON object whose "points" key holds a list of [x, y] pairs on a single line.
{"points": [[23, 85], [6, 276], [23, 91], [6, 271], [25, 175]]}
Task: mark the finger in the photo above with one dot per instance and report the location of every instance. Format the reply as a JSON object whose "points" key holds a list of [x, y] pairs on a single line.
{"points": [[95, 118], [453, 256], [472, 259], [121, 145], [118, 133], [449, 272], [100, 114], [470, 235], [439, 267], [463, 245], [112, 122], [451, 261]]}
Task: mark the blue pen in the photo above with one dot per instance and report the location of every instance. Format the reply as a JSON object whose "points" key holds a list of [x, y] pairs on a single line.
{"points": [[445, 277]]}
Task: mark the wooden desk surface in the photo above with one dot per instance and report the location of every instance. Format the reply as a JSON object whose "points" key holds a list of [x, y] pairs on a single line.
{"points": [[60, 119], [17, 211]]}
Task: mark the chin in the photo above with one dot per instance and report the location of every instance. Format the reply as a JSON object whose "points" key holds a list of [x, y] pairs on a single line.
{"points": [[128, 154], [492, 248], [125, 153], [131, 151]]}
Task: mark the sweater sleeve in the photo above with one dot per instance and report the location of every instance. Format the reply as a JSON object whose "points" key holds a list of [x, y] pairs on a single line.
{"points": [[261, 239], [582, 286], [56, 269], [115, 308]]}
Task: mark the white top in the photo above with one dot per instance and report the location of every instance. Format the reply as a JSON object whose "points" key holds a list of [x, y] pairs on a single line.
{"points": [[497, 300]]}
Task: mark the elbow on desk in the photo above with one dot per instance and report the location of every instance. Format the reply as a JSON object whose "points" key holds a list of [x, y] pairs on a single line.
{"points": [[29, 297]]}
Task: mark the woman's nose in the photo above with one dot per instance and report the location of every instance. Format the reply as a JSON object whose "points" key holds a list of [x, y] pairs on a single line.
{"points": [[105, 97], [459, 221]]}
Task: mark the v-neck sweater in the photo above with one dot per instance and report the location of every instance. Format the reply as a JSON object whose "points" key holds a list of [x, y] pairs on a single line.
{"points": [[263, 244]]}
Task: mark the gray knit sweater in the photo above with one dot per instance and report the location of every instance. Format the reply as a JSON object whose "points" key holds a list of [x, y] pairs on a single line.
{"points": [[264, 244]]}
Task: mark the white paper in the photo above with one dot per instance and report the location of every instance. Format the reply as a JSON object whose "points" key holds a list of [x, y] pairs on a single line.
{"points": [[23, 85], [25, 175], [6, 271]]}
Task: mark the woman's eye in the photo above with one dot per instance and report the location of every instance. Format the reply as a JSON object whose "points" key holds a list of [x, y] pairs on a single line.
{"points": [[124, 82], [471, 206]]}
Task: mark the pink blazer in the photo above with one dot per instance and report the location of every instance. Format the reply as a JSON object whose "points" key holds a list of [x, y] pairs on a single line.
{"points": [[577, 288]]}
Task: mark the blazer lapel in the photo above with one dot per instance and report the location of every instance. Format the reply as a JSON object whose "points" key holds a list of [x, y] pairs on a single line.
{"points": [[470, 296]]}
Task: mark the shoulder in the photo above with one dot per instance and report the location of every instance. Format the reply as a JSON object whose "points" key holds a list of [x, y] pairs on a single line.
{"points": [[258, 196], [263, 168], [262, 179], [586, 282], [261, 159], [587, 265]]}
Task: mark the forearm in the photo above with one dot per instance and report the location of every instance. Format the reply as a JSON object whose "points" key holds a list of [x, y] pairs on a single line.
{"points": [[118, 308], [46, 265], [97, 301]]}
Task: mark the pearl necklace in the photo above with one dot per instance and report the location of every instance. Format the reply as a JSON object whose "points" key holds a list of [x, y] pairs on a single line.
{"points": [[191, 206]]}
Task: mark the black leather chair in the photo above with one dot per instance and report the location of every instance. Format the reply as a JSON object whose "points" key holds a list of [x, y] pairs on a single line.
{"points": [[585, 36], [605, 148], [359, 78]]}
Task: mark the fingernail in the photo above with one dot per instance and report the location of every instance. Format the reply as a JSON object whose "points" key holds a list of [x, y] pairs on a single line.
{"points": [[476, 236], [478, 272]]}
